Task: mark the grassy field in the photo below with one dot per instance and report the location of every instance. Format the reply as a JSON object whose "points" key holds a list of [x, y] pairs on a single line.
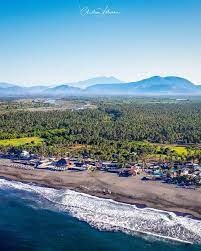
{"points": [[180, 150], [21, 141]]}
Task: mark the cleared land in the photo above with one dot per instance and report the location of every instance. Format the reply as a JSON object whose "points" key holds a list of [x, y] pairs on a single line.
{"points": [[180, 150], [21, 141], [43, 105]]}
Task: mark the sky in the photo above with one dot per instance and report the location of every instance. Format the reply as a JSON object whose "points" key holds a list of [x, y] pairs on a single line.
{"points": [[63, 41]]}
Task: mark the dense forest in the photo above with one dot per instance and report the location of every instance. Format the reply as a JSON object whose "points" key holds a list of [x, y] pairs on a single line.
{"points": [[107, 131]]}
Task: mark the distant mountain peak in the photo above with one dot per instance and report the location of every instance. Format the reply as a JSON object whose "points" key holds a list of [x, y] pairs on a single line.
{"points": [[155, 85], [96, 80]]}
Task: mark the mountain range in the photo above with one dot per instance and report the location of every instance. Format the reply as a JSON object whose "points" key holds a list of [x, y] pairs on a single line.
{"points": [[106, 86]]}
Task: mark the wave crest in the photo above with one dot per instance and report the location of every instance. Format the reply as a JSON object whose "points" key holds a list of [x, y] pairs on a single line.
{"points": [[109, 215]]}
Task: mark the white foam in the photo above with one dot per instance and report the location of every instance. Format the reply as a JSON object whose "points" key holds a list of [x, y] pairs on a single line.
{"points": [[110, 215]]}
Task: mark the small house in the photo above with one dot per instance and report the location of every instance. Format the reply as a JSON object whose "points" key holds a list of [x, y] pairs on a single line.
{"points": [[61, 162], [25, 154]]}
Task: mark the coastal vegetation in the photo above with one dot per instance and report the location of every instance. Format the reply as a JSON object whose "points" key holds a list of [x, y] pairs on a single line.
{"points": [[121, 129]]}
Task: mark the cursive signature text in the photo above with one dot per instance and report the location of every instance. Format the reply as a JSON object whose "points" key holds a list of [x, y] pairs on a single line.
{"points": [[98, 11]]}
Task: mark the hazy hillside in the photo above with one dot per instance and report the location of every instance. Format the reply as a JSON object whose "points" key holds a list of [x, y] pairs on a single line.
{"points": [[94, 81], [107, 86], [6, 85], [62, 90], [153, 85]]}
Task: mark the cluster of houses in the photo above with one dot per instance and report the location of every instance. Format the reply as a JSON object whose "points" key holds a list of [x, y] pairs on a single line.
{"points": [[180, 173]]}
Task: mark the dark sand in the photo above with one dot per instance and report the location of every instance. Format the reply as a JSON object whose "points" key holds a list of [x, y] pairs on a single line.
{"points": [[129, 190]]}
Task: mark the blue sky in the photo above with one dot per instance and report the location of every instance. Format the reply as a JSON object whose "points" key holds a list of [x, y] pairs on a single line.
{"points": [[49, 41]]}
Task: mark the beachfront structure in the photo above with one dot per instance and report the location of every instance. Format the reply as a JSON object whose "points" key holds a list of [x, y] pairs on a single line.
{"points": [[61, 162], [25, 154]]}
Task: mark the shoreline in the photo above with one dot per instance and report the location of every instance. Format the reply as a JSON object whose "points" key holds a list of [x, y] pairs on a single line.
{"points": [[132, 190], [138, 205]]}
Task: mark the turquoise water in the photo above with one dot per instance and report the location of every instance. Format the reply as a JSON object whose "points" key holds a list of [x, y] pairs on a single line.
{"points": [[33, 220]]}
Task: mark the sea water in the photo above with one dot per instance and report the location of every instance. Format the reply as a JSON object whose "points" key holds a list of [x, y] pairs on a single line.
{"points": [[40, 218]]}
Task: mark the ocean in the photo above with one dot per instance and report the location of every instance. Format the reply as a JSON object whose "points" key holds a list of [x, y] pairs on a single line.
{"points": [[40, 218]]}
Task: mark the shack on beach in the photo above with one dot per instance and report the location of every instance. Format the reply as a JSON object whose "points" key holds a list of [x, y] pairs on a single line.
{"points": [[61, 163]]}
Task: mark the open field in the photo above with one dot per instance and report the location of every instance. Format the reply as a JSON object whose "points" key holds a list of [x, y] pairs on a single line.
{"points": [[21, 141], [43, 105], [180, 150]]}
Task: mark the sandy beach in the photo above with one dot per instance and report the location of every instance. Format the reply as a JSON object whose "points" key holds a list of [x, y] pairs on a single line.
{"points": [[129, 190]]}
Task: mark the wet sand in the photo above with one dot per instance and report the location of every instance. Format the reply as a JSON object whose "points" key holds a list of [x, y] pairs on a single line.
{"points": [[128, 190]]}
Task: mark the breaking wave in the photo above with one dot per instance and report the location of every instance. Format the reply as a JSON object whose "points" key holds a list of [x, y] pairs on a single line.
{"points": [[109, 215]]}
